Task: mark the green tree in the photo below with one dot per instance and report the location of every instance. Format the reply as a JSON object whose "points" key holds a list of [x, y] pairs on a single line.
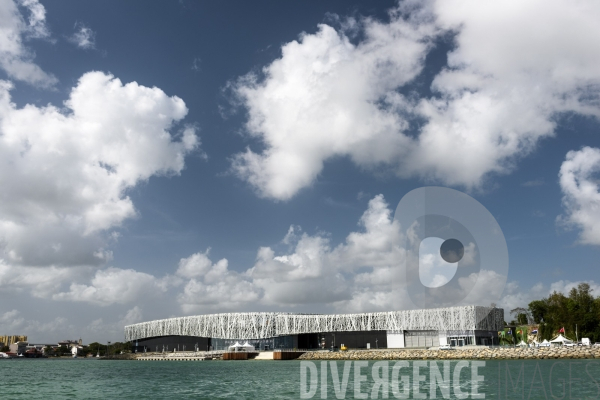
{"points": [[48, 351], [579, 310], [538, 309], [97, 348], [521, 314]]}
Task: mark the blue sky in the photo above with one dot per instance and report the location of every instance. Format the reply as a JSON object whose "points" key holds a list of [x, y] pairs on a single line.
{"points": [[281, 136]]}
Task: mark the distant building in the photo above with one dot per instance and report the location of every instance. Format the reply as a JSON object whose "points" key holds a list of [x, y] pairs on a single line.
{"points": [[27, 350], [70, 343], [18, 347], [8, 340], [41, 347]]}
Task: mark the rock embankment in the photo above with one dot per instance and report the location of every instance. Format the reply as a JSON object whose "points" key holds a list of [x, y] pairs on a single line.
{"points": [[483, 353]]}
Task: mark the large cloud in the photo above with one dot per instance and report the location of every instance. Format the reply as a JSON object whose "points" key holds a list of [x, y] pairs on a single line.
{"points": [[213, 287], [516, 66], [64, 173], [327, 97], [581, 200], [40, 282], [15, 58], [514, 69], [357, 274], [359, 270], [113, 286]]}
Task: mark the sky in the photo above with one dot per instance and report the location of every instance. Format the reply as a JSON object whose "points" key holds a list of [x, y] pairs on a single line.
{"points": [[178, 158]]}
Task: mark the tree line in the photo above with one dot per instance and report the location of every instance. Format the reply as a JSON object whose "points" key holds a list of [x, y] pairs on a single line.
{"points": [[580, 309]]}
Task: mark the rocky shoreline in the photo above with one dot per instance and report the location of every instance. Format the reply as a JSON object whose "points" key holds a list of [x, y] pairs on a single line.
{"points": [[479, 353]]}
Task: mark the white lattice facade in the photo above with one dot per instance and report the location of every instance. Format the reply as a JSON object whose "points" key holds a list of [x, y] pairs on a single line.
{"points": [[268, 325]]}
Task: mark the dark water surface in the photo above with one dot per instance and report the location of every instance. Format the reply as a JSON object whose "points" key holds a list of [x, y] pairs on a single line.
{"points": [[100, 379]]}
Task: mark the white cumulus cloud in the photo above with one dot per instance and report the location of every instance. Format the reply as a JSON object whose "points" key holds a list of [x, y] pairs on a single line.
{"points": [[515, 68], [357, 274], [581, 193], [328, 97], [65, 172], [213, 286], [16, 59]]}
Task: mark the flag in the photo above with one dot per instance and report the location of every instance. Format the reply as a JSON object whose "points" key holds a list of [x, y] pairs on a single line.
{"points": [[510, 332], [534, 331], [561, 330]]}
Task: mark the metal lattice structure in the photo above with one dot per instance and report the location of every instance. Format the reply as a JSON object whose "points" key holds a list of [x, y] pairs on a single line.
{"points": [[266, 325]]}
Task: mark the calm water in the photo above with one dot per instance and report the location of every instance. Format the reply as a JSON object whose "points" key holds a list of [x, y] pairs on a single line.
{"points": [[98, 379]]}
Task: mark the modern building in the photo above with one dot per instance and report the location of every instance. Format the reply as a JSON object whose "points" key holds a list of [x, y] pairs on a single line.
{"points": [[457, 326], [10, 339]]}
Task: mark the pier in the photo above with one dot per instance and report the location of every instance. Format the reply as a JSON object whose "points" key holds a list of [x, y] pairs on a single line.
{"points": [[183, 356], [220, 355]]}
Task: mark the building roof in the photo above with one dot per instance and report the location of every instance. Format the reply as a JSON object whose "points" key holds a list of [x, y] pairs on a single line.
{"points": [[265, 325]]}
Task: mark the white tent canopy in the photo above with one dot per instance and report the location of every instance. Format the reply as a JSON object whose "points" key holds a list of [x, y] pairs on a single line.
{"points": [[235, 346], [560, 339], [522, 344], [545, 343], [241, 347], [248, 347]]}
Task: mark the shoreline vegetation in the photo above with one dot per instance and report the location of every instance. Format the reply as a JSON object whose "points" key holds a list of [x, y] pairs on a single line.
{"points": [[577, 313]]}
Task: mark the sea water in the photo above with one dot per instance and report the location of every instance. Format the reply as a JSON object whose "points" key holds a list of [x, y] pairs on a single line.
{"points": [[106, 379]]}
